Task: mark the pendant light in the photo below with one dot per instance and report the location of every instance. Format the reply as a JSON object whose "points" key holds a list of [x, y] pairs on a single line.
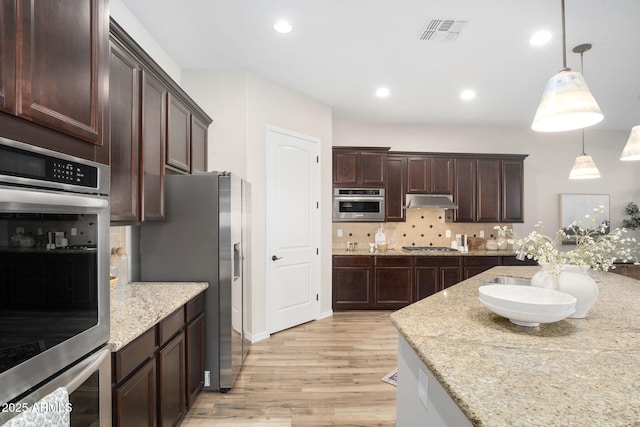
{"points": [[566, 103], [584, 167], [632, 148]]}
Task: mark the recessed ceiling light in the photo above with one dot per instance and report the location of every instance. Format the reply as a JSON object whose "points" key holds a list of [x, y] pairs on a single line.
{"points": [[283, 27], [467, 94], [540, 38], [382, 92]]}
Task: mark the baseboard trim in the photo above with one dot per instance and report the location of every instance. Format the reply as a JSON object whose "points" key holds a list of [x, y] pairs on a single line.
{"points": [[257, 337], [325, 315]]}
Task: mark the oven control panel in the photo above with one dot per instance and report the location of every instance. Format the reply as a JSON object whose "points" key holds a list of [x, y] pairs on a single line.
{"points": [[18, 160], [72, 173]]}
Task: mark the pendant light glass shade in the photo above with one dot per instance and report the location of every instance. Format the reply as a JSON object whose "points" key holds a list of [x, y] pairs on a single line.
{"points": [[632, 148], [566, 104], [584, 168]]}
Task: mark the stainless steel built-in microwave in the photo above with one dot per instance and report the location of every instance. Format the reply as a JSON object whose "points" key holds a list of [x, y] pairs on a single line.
{"points": [[358, 204]]}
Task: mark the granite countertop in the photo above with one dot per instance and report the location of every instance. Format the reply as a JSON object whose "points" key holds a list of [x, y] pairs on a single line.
{"points": [[572, 372], [139, 306], [400, 252]]}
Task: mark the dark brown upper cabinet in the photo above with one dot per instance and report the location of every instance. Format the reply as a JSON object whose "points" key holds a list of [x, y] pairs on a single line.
{"points": [[124, 134], [442, 175], [396, 188], [489, 188], [419, 175], [154, 127], [359, 167], [486, 187], [154, 137], [137, 133], [7, 57], [429, 175], [513, 190], [61, 70], [464, 193], [198, 145], [179, 135], [54, 61]]}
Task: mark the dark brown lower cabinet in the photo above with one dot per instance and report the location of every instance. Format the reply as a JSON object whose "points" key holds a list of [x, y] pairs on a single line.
{"points": [[194, 335], [352, 282], [151, 385], [393, 279], [629, 270], [363, 282], [433, 274], [135, 400], [171, 382], [473, 265]]}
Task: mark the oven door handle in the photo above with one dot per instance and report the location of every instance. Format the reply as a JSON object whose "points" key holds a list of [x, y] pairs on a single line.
{"points": [[91, 365], [44, 197]]}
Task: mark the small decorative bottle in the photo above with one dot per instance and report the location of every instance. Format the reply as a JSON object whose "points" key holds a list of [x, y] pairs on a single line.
{"points": [[123, 267]]}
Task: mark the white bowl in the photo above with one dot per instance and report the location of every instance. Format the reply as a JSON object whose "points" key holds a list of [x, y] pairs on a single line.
{"points": [[491, 245], [527, 305]]}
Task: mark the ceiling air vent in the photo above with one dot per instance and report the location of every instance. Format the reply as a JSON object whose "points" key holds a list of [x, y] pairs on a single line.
{"points": [[444, 30]]}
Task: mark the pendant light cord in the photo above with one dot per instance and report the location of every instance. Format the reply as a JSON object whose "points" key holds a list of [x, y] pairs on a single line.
{"points": [[564, 39], [582, 71]]}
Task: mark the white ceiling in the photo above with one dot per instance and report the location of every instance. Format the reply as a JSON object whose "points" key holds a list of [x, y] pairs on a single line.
{"points": [[340, 51]]}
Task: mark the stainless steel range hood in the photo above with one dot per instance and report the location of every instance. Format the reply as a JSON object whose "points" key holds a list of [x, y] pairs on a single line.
{"points": [[432, 201]]}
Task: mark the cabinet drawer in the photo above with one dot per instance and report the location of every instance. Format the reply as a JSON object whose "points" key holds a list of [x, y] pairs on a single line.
{"points": [[352, 261], [481, 260], [170, 325], [442, 261], [135, 354], [393, 261], [195, 307]]}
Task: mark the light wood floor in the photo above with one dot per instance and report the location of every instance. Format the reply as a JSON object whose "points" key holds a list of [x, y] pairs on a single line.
{"points": [[322, 373]]}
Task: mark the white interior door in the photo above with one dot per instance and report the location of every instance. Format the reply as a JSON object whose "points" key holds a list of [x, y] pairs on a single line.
{"points": [[293, 228]]}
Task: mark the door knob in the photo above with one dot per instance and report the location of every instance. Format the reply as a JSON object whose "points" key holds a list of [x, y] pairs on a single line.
{"points": [[275, 258]]}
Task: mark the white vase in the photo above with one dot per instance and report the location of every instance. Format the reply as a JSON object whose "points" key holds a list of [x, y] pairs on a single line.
{"points": [[544, 279], [573, 280]]}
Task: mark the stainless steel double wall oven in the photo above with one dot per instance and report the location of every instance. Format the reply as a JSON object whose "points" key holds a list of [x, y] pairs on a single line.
{"points": [[54, 290]]}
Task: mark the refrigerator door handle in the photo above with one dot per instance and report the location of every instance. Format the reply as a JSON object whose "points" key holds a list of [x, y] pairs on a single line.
{"points": [[237, 261]]}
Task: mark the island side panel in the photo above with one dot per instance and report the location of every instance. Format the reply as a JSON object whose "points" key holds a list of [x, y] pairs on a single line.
{"points": [[440, 409]]}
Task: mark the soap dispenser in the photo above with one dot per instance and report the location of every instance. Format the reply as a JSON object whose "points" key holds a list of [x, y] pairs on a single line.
{"points": [[380, 237]]}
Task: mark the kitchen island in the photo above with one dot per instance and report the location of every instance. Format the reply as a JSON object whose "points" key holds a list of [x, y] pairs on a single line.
{"points": [[477, 368]]}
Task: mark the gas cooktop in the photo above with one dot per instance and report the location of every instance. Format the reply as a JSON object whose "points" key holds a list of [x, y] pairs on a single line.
{"points": [[428, 249]]}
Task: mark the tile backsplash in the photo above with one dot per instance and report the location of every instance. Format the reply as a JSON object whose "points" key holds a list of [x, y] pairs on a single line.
{"points": [[423, 227], [117, 237]]}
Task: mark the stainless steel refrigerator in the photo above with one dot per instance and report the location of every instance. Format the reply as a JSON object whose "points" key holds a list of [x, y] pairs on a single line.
{"points": [[205, 238]]}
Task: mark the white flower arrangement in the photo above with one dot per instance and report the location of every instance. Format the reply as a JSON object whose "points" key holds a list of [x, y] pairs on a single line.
{"points": [[597, 247]]}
